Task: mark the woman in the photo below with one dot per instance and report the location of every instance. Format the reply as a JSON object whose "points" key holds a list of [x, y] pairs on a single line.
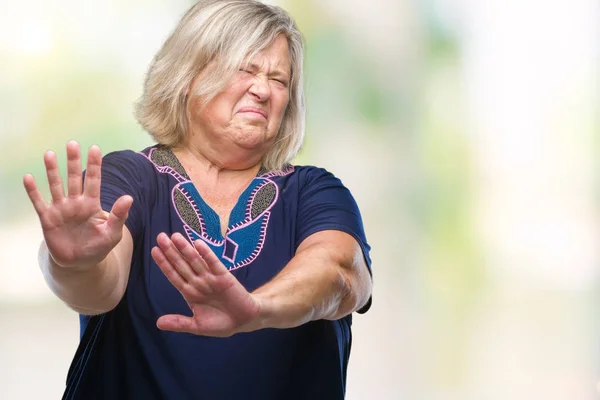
{"points": [[206, 266]]}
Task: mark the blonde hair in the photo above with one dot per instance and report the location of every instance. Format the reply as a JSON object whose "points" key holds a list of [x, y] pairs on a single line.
{"points": [[224, 33]]}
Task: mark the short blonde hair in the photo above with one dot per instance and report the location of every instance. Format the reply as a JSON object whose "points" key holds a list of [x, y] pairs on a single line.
{"points": [[225, 33]]}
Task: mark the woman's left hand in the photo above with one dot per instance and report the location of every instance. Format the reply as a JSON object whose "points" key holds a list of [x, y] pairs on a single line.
{"points": [[221, 306]]}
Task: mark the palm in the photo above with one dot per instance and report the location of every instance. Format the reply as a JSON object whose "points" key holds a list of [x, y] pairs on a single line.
{"points": [[221, 306], [222, 311], [76, 230]]}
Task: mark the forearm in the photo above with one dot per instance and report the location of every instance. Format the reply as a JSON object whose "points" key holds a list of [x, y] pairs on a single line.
{"points": [[90, 290], [312, 286]]}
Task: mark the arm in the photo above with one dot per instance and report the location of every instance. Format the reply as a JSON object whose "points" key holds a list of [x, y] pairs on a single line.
{"points": [[327, 279], [86, 252]]}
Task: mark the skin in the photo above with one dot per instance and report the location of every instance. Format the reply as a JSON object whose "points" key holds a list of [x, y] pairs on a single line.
{"points": [[228, 138], [235, 130], [86, 253]]}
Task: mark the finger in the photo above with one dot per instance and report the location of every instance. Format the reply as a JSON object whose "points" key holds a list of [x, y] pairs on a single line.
{"points": [[190, 254], [118, 214], [167, 269], [176, 323], [212, 261], [73, 169], [54, 179], [93, 174], [175, 258], [34, 194]]}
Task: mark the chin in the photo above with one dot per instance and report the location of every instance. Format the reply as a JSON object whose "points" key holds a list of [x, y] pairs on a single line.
{"points": [[253, 139]]}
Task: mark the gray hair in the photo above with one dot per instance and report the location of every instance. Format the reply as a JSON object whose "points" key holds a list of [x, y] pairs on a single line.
{"points": [[226, 33]]}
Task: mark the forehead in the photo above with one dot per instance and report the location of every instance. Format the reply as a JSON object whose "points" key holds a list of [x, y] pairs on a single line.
{"points": [[275, 55]]}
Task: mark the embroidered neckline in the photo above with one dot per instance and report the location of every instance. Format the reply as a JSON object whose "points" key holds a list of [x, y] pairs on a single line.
{"points": [[248, 220]]}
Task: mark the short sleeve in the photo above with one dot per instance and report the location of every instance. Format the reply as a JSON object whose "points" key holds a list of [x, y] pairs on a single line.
{"points": [[326, 204], [123, 173]]}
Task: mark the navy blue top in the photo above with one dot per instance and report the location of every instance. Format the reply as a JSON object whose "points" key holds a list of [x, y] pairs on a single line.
{"points": [[123, 355]]}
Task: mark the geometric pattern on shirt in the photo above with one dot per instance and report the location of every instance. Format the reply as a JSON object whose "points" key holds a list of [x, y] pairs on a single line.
{"points": [[248, 221]]}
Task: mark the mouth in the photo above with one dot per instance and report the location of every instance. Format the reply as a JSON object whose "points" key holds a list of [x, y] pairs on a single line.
{"points": [[253, 111]]}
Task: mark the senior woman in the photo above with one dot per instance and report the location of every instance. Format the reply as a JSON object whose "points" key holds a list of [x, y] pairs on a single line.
{"points": [[207, 266]]}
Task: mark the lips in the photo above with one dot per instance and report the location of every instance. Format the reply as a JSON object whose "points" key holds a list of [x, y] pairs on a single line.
{"points": [[254, 110]]}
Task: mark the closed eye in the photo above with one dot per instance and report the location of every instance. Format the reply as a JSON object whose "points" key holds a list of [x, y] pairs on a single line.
{"points": [[281, 81]]}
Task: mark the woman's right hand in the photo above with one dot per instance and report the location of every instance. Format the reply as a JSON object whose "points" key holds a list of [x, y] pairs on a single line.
{"points": [[78, 233]]}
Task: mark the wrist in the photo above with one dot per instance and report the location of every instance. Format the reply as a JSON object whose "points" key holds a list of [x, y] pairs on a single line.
{"points": [[265, 311], [275, 312], [73, 268]]}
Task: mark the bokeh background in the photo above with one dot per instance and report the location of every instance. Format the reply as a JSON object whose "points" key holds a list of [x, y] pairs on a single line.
{"points": [[467, 130]]}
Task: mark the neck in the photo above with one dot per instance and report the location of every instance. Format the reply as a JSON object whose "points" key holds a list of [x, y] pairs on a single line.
{"points": [[218, 167]]}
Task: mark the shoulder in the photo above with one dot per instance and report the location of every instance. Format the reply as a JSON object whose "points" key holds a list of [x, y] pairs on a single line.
{"points": [[310, 185], [301, 179], [128, 157], [136, 162], [303, 174], [128, 169], [310, 176], [310, 171]]}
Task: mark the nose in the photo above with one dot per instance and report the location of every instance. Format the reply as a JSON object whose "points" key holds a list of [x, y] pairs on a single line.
{"points": [[260, 89]]}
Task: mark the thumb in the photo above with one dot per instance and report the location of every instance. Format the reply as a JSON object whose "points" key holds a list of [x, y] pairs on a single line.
{"points": [[176, 323], [118, 214]]}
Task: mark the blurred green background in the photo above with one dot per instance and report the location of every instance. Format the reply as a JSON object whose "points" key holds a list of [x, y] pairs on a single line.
{"points": [[467, 131]]}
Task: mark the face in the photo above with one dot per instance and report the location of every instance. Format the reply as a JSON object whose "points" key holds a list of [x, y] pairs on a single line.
{"points": [[247, 114]]}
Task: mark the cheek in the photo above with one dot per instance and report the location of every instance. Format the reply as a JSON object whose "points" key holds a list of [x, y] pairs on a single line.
{"points": [[224, 103], [219, 108], [282, 104]]}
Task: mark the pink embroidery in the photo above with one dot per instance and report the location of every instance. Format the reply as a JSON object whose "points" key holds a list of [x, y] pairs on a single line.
{"points": [[259, 246], [264, 214]]}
